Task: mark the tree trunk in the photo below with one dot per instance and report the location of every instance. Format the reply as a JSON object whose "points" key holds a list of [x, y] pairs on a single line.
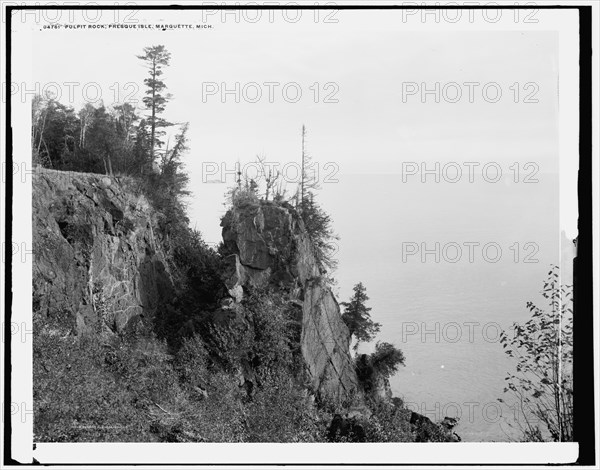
{"points": [[302, 175], [153, 112]]}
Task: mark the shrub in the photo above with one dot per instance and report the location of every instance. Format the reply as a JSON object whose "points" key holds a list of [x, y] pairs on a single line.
{"points": [[276, 333], [375, 369], [543, 348], [281, 412], [386, 359], [244, 196], [192, 362], [76, 397], [388, 423]]}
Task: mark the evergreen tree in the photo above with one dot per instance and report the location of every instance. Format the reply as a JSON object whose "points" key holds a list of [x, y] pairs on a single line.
{"points": [[317, 222], [102, 142], [357, 316], [54, 128], [156, 58], [172, 176], [320, 232], [386, 359]]}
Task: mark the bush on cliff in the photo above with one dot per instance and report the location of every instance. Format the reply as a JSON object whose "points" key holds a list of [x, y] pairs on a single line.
{"points": [[262, 336], [388, 423], [319, 227], [280, 411], [376, 368], [275, 409], [357, 316]]}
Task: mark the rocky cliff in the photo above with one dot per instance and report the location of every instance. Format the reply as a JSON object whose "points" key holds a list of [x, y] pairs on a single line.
{"points": [[100, 269], [269, 245], [98, 264]]}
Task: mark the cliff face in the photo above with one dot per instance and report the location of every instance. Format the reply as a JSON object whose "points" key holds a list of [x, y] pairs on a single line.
{"points": [[97, 262], [100, 267], [270, 246]]}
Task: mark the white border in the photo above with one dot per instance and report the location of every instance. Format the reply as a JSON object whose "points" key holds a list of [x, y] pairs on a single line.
{"points": [[388, 453], [263, 453]]}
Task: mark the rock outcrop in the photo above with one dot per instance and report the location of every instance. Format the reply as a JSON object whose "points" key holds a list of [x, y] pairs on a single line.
{"points": [[98, 264], [100, 267], [270, 246]]}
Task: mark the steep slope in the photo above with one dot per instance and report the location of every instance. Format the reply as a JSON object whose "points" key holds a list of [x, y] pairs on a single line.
{"points": [[98, 264], [99, 269], [270, 246]]}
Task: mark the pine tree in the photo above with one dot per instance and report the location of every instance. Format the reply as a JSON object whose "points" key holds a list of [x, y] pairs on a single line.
{"points": [[317, 222], [156, 58], [172, 176], [357, 316]]}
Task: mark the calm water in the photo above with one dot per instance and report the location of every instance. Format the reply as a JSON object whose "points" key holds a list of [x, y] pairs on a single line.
{"points": [[458, 368], [446, 316]]}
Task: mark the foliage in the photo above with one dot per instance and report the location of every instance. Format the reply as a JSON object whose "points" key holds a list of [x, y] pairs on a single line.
{"points": [[277, 329], [388, 423], [196, 268], [263, 342], [155, 58], [386, 359], [243, 196], [270, 184], [357, 318], [111, 389], [167, 189], [83, 391], [280, 396], [116, 141], [376, 368], [192, 362], [317, 222], [543, 349], [318, 225], [53, 129]]}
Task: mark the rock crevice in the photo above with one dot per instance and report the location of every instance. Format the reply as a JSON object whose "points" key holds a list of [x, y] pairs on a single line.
{"points": [[97, 264]]}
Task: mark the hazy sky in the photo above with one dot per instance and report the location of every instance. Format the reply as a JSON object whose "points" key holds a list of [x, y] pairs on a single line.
{"points": [[362, 63]]}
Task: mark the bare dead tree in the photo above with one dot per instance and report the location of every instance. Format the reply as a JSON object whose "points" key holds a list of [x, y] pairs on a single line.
{"points": [[271, 177]]}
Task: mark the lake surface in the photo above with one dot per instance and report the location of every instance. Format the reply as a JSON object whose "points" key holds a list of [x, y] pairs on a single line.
{"points": [[446, 316]]}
